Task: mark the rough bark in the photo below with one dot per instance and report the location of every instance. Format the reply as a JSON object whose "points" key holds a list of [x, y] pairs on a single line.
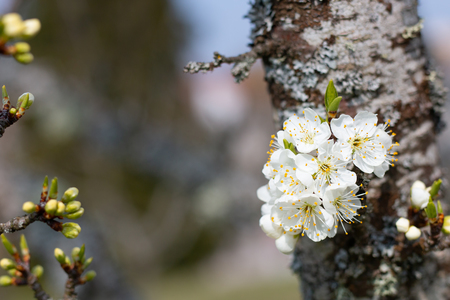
{"points": [[373, 51]]}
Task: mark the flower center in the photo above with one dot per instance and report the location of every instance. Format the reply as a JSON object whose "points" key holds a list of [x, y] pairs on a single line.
{"points": [[357, 142], [309, 138]]}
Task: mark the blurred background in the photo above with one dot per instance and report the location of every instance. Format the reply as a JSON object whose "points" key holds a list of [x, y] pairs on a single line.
{"points": [[167, 163]]}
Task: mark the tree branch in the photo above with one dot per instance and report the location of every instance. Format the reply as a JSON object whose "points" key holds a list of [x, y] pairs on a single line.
{"points": [[242, 63], [39, 292], [20, 223]]}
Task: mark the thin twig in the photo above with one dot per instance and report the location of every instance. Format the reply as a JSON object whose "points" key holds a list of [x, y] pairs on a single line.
{"points": [[20, 223]]}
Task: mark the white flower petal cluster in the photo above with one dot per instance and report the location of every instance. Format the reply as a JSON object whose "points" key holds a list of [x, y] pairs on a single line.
{"points": [[311, 189], [419, 194]]}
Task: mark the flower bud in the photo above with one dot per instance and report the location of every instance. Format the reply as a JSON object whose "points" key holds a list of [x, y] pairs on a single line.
{"points": [[418, 185], [76, 214], [53, 192], [13, 26], [28, 97], [60, 256], [419, 197], [24, 246], [446, 225], [13, 111], [402, 225], [24, 58], [286, 243], [71, 230], [413, 233], [60, 209], [51, 206], [29, 207], [7, 264], [67, 261], [73, 206], [70, 195], [12, 272], [22, 47], [5, 280], [32, 27], [87, 263], [38, 271], [9, 247], [269, 227], [75, 254], [90, 275]]}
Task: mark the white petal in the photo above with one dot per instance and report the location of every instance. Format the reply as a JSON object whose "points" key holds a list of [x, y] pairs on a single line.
{"points": [[419, 197], [338, 126], [263, 193], [418, 185], [361, 164], [366, 123], [380, 170], [286, 243], [269, 227], [265, 209], [383, 137]]}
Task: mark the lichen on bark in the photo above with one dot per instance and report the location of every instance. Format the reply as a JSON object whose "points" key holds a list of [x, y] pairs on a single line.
{"points": [[362, 46]]}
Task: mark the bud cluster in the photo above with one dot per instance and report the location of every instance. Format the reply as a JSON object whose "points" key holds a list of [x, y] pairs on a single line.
{"points": [[12, 27], [52, 208], [18, 268], [77, 265]]}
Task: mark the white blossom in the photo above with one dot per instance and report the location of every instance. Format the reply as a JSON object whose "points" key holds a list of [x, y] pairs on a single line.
{"points": [[389, 159], [308, 132], [342, 202], [413, 233], [286, 243], [360, 140], [419, 196], [300, 215], [269, 227], [402, 225]]}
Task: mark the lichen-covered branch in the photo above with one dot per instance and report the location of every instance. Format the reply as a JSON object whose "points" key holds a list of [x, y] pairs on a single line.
{"points": [[20, 223], [242, 63]]}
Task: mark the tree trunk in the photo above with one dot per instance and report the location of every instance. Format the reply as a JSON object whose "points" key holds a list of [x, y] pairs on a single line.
{"points": [[373, 51]]}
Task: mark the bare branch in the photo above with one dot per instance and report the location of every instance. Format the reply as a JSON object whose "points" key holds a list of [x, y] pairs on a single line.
{"points": [[20, 223]]}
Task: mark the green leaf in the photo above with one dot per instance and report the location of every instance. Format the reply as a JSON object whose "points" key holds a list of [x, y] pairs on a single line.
{"points": [[439, 208], [286, 144], [334, 105], [330, 94], [435, 188], [430, 210], [322, 120], [292, 148]]}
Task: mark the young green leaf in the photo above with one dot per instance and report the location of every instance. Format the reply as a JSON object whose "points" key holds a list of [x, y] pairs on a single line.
{"points": [[334, 105], [330, 94]]}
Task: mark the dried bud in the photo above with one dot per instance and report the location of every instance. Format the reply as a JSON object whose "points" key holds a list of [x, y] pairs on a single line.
{"points": [[5, 280], [51, 206], [76, 214], [38, 271], [402, 225], [60, 256], [29, 207], [73, 206], [413, 233], [70, 195], [7, 264]]}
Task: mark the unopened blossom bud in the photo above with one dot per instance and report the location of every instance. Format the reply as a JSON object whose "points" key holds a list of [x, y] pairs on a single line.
{"points": [[13, 26], [90, 275], [24, 246], [419, 197], [24, 58], [53, 192], [73, 206], [5, 280], [60, 209], [88, 262], [7, 264], [32, 27], [418, 185], [446, 225], [38, 271], [51, 206], [76, 214], [28, 97], [13, 111], [70, 195], [67, 261], [12, 250], [60, 256], [22, 47], [402, 225], [29, 207], [413, 233], [12, 272], [71, 230], [269, 227], [75, 254], [286, 243]]}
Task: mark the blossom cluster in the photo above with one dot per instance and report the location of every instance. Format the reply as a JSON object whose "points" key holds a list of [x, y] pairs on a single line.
{"points": [[311, 188]]}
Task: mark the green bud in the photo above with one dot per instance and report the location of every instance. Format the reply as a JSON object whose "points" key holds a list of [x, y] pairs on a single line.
{"points": [[60, 209], [67, 261], [45, 184], [7, 264], [9, 247], [70, 195], [73, 206], [5, 96], [71, 230], [82, 251], [334, 105], [430, 210], [29, 207], [75, 254], [90, 275], [24, 58], [330, 94], [24, 246], [12, 272], [53, 193], [446, 225], [22, 47], [75, 215], [60, 256], [87, 263], [38, 271], [51, 206], [439, 208], [72, 225], [25, 100], [13, 111], [435, 188], [5, 280]]}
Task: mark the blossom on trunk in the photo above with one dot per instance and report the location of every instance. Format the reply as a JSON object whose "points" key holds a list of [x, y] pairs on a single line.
{"points": [[308, 132]]}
